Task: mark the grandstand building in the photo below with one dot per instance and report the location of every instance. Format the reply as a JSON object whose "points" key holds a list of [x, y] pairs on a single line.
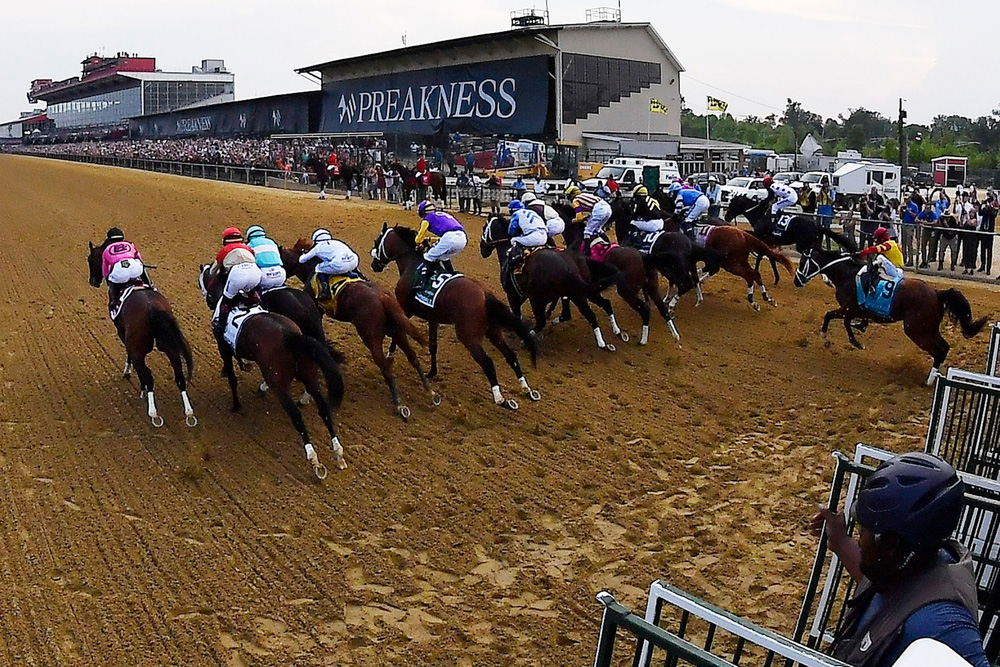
{"points": [[539, 81], [111, 90]]}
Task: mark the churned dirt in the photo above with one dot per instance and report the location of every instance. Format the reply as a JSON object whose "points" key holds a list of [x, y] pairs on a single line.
{"points": [[470, 536]]}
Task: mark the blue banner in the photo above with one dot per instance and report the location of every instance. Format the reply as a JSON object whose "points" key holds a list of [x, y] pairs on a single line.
{"points": [[499, 97]]}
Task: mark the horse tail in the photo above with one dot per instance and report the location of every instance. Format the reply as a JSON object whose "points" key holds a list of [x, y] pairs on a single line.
{"points": [[168, 336], [397, 321], [306, 346], [603, 276], [842, 239], [960, 311], [761, 248], [498, 314]]}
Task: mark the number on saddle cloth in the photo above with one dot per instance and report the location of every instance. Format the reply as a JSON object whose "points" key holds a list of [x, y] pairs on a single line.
{"points": [[879, 301], [427, 293], [781, 224], [644, 241]]}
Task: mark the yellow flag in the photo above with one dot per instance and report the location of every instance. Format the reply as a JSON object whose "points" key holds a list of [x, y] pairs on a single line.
{"points": [[656, 106], [715, 104]]}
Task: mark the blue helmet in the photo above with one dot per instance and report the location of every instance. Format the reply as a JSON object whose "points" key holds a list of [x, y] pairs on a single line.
{"points": [[675, 187], [255, 231], [917, 496], [425, 208], [515, 205]]}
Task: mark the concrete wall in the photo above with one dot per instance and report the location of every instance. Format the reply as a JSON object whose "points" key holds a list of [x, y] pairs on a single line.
{"points": [[631, 114]]}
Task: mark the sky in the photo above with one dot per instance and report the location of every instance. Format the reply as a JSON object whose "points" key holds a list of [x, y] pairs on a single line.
{"points": [[830, 55]]}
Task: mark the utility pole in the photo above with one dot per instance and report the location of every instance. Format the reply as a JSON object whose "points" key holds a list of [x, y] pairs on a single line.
{"points": [[903, 152]]}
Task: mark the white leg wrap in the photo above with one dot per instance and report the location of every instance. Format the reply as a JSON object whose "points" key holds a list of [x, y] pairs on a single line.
{"points": [[673, 330], [338, 449], [932, 375], [614, 326], [600, 338], [701, 297], [188, 410], [524, 383], [127, 369], [311, 453], [497, 396], [645, 335], [152, 405], [750, 291]]}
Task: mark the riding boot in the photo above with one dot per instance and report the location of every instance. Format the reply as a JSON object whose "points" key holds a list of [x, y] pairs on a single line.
{"points": [[421, 275], [323, 280], [114, 290], [448, 266], [219, 325]]}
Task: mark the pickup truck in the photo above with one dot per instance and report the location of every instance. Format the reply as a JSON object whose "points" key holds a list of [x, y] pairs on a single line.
{"points": [[752, 187]]}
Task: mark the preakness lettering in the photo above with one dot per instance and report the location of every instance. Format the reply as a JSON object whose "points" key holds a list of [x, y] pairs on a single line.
{"points": [[487, 98]]}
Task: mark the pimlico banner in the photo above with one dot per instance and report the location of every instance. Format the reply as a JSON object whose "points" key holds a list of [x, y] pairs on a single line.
{"points": [[499, 97]]}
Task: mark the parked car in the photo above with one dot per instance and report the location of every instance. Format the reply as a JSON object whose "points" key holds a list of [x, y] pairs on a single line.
{"points": [[811, 179], [752, 187], [701, 178], [787, 176]]}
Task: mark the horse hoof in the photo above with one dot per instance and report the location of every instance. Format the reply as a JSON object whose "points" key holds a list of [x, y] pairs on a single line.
{"points": [[432, 376], [156, 420], [305, 399], [341, 463], [774, 304], [262, 389], [191, 420], [510, 404], [404, 412], [756, 307], [126, 375], [610, 348], [320, 470], [534, 395], [623, 336], [435, 399], [828, 344]]}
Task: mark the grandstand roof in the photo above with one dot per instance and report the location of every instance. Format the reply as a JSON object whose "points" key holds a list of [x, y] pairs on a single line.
{"points": [[120, 80], [476, 40]]}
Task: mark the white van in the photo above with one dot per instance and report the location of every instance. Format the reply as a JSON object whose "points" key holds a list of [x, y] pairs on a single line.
{"points": [[855, 180], [627, 171]]}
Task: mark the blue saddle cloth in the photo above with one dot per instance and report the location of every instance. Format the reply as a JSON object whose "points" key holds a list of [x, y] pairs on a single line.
{"points": [[644, 241], [879, 302]]}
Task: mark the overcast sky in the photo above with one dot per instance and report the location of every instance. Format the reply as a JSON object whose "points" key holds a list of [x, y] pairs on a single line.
{"points": [[831, 55]]}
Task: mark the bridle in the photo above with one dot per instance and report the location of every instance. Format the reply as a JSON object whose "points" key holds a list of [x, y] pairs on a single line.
{"points": [[487, 237], [805, 272]]}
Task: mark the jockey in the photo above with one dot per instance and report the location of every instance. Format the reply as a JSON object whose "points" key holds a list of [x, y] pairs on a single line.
{"points": [[527, 230], [888, 256], [238, 259], [554, 224], [121, 264], [337, 260], [591, 208], [784, 195], [689, 202], [646, 208], [268, 257], [451, 239]]}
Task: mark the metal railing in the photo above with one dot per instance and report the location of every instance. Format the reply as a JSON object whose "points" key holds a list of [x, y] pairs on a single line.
{"points": [[993, 355], [964, 424]]}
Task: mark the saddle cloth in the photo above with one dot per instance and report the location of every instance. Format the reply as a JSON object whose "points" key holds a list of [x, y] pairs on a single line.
{"points": [[126, 293], [234, 325], [644, 241], [701, 234], [337, 284], [428, 294], [525, 254], [781, 225], [599, 251], [879, 302]]}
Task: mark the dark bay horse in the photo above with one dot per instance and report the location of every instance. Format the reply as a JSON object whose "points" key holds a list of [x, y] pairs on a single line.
{"points": [[283, 353], [475, 312], [916, 304], [437, 183], [549, 276], [145, 320], [299, 307], [374, 313], [802, 232], [347, 174]]}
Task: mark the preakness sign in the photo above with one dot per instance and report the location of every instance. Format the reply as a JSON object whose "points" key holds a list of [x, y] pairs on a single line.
{"points": [[499, 97]]}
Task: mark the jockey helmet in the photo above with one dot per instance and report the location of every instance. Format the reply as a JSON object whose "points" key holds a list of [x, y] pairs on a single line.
{"points": [[115, 234], [881, 234], [768, 181], [675, 187], [528, 198], [515, 206], [232, 235], [572, 191], [425, 208], [321, 235], [917, 496], [255, 231], [640, 191]]}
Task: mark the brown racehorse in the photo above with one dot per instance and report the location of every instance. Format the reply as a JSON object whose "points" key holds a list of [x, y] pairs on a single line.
{"points": [[916, 304], [374, 313], [283, 353], [145, 320], [475, 312], [548, 276], [733, 247]]}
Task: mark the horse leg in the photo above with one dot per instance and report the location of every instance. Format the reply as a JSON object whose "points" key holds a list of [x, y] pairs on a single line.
{"points": [[229, 372], [411, 356], [496, 337], [293, 412], [432, 346], [146, 384], [175, 362], [385, 365], [475, 348], [565, 314], [850, 332], [580, 300], [127, 371], [631, 298], [313, 385], [931, 342], [538, 309], [604, 304], [651, 290]]}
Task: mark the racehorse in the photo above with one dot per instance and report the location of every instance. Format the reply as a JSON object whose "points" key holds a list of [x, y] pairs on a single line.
{"points": [[324, 175], [475, 312], [548, 276], [918, 305], [801, 232], [283, 353], [408, 178], [374, 313], [145, 319]]}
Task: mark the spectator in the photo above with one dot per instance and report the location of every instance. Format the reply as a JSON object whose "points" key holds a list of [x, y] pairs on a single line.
{"points": [[969, 223], [988, 212], [464, 186], [948, 241], [824, 206], [519, 187], [867, 210], [477, 194], [909, 227], [929, 234], [470, 162], [807, 200], [602, 191], [541, 188], [714, 194], [612, 185]]}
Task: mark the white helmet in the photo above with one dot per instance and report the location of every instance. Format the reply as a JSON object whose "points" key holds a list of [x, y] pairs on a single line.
{"points": [[528, 197], [321, 235]]}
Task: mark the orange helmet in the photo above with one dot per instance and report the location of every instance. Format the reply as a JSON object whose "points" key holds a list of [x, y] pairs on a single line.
{"points": [[881, 234], [232, 235]]}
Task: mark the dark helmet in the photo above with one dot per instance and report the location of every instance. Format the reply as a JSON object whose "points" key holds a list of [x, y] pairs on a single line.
{"points": [[115, 234], [917, 496]]}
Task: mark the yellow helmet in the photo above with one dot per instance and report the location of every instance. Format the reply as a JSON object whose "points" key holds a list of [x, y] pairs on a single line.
{"points": [[572, 191], [640, 191]]}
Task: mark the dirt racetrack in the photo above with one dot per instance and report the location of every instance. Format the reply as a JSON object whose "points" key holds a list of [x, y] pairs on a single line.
{"points": [[472, 535]]}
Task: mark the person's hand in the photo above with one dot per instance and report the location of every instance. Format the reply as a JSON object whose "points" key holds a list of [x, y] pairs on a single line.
{"points": [[836, 526]]}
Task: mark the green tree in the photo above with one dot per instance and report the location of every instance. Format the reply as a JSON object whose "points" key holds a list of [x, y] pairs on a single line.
{"points": [[856, 138]]}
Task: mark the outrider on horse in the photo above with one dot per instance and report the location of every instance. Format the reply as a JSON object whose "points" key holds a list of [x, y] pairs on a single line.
{"points": [[458, 300], [916, 304], [283, 353], [143, 318]]}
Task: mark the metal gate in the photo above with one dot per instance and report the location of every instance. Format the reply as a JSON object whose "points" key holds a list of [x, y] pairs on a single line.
{"points": [[993, 355], [965, 422], [829, 588]]}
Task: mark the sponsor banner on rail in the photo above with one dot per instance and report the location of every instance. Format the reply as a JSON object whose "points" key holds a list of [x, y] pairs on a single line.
{"points": [[499, 97], [282, 114]]}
